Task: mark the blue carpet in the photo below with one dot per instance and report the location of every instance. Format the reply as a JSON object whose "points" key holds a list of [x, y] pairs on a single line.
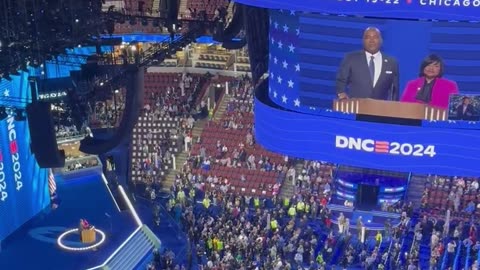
{"points": [[34, 246], [169, 231]]}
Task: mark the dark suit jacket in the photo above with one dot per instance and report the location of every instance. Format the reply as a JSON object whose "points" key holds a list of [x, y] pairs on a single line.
{"points": [[353, 78], [469, 113]]}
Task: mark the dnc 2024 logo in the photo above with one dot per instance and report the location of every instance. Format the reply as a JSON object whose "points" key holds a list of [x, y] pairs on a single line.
{"points": [[3, 183], [15, 156], [384, 147]]}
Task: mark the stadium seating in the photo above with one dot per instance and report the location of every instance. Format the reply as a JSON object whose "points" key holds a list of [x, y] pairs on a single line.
{"points": [[255, 182], [209, 6], [127, 28], [158, 83], [441, 194], [159, 131]]}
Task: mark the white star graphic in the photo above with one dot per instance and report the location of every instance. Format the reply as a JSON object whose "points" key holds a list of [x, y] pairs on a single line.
{"points": [[272, 75], [284, 99], [297, 67], [275, 94], [297, 31], [290, 84], [280, 45], [292, 12], [279, 79], [275, 25], [273, 40], [275, 60], [6, 92], [291, 48], [296, 102], [285, 28], [285, 64]]}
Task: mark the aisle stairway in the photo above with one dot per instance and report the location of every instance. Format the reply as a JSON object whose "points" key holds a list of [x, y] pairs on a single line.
{"points": [[132, 252], [424, 254], [288, 190], [230, 9], [183, 156], [222, 107], [182, 10], [155, 7], [415, 189]]}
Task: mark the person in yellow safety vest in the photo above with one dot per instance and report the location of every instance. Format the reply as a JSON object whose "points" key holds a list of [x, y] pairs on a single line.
{"points": [[219, 245], [292, 212], [307, 208], [256, 202], [300, 206], [181, 197], [210, 244], [320, 260], [171, 204], [206, 202], [273, 224], [286, 202], [215, 243], [379, 237], [210, 114]]}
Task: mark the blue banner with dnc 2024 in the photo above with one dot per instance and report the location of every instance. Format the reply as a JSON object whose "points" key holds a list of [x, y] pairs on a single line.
{"points": [[460, 10], [416, 149]]}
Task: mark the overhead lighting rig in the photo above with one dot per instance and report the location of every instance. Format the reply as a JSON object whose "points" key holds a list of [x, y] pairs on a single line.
{"points": [[33, 31]]}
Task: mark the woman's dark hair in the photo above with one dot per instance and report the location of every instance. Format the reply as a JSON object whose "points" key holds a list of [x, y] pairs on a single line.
{"points": [[432, 58]]}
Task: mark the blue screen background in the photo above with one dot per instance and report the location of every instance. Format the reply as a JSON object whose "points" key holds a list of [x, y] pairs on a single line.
{"points": [[23, 204], [313, 137], [307, 49]]}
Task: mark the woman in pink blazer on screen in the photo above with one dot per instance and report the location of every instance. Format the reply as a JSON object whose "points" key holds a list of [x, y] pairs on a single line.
{"points": [[430, 88]]}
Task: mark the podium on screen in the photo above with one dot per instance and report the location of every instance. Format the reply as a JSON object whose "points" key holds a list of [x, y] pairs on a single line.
{"points": [[367, 106]]}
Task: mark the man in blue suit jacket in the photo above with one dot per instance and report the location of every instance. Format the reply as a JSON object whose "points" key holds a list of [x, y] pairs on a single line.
{"points": [[368, 73]]}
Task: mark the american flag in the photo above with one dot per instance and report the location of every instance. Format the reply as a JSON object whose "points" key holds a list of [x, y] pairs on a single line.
{"points": [[305, 52], [52, 185], [284, 67]]}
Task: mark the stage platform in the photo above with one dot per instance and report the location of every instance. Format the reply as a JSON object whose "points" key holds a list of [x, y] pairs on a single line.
{"points": [[373, 220], [35, 245]]}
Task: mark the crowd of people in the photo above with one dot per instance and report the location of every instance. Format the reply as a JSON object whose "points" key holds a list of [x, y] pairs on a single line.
{"points": [[231, 229], [82, 163], [454, 193], [108, 113], [63, 121], [176, 107], [235, 231]]}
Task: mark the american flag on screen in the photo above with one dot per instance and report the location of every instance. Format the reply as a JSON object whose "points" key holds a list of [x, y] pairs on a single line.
{"points": [[52, 185], [284, 66]]}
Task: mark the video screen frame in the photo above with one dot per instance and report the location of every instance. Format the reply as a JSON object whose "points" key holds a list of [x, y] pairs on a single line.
{"points": [[464, 107]]}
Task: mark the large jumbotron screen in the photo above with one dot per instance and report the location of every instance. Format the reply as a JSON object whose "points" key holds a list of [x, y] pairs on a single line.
{"points": [[306, 50], [23, 185]]}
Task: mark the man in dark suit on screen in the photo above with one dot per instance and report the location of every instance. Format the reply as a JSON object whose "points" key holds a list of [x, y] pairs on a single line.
{"points": [[368, 73], [466, 111]]}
